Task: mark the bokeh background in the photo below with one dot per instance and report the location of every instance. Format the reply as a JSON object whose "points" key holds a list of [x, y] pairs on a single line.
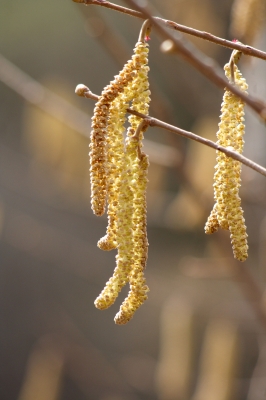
{"points": [[201, 333]]}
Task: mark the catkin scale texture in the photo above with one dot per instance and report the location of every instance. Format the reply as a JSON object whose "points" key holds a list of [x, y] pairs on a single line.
{"points": [[132, 89], [98, 144], [227, 212], [138, 288], [126, 182]]}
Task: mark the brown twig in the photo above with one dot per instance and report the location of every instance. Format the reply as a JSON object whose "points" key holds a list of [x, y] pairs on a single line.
{"points": [[35, 93], [84, 91], [205, 65], [248, 50]]}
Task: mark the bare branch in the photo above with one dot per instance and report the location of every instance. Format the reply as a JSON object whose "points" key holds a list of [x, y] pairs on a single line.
{"points": [[82, 90], [205, 65], [248, 50]]}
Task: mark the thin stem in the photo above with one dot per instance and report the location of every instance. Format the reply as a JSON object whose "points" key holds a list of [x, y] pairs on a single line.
{"points": [[248, 50], [145, 30], [235, 57], [84, 91], [141, 127], [205, 65]]}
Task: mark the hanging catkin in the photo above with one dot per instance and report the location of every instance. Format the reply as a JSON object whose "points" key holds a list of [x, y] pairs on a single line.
{"points": [[227, 212], [136, 90], [126, 182], [138, 288]]}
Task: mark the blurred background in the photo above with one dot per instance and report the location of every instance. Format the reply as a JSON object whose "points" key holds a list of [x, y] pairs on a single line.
{"points": [[201, 334]]}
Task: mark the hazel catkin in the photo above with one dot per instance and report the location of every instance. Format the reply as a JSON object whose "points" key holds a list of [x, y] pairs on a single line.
{"points": [[125, 188], [227, 212]]}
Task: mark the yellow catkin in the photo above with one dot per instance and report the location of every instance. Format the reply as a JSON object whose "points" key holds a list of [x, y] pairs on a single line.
{"points": [[98, 149], [227, 212], [138, 288], [138, 183], [125, 244], [247, 19], [126, 182], [115, 159], [115, 148], [140, 85], [120, 193]]}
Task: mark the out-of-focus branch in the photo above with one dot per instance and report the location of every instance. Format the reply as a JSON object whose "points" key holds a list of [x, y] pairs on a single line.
{"points": [[205, 65], [248, 50], [101, 30], [35, 93], [83, 91], [251, 290]]}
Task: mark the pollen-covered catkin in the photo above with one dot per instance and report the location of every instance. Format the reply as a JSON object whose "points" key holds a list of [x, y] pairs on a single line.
{"points": [[125, 188], [138, 183], [116, 164], [136, 88], [140, 84], [124, 243], [138, 288], [98, 144], [131, 236], [227, 212]]}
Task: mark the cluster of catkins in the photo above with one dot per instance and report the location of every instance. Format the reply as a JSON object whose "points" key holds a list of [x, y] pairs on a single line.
{"points": [[227, 212], [119, 177]]}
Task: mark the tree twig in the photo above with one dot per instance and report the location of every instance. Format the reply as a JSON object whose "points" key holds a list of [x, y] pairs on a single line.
{"points": [[205, 65], [84, 91], [248, 50]]}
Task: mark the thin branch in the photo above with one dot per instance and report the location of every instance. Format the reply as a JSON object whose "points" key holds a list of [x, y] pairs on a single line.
{"points": [[35, 93], [205, 65], [248, 50], [84, 91], [120, 52]]}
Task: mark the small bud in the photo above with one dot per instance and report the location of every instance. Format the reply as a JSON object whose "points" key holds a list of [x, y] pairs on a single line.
{"points": [[81, 90]]}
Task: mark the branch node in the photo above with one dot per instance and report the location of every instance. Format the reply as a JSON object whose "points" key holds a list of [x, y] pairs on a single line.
{"points": [[141, 127]]}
